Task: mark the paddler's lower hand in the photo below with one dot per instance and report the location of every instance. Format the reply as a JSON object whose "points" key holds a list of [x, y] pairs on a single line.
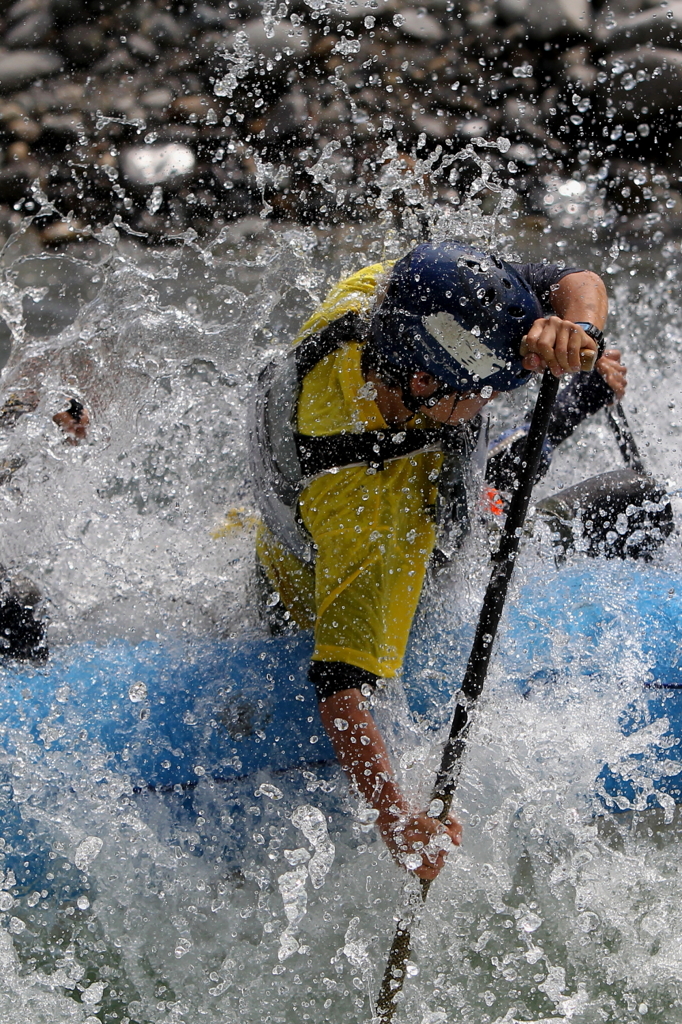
{"points": [[613, 372], [418, 842]]}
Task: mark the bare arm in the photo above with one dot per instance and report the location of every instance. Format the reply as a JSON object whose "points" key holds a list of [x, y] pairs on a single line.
{"points": [[581, 296], [361, 751], [557, 342]]}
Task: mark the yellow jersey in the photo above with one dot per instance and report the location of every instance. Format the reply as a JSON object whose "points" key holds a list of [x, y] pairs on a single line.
{"points": [[374, 532]]}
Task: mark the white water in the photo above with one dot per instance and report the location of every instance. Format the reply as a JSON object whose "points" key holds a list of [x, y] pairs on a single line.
{"points": [[272, 900]]}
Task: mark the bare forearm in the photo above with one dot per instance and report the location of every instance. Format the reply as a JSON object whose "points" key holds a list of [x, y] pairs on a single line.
{"points": [[581, 296], [361, 751]]}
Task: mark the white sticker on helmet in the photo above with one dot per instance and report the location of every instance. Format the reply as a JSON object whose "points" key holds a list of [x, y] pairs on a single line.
{"points": [[472, 353]]}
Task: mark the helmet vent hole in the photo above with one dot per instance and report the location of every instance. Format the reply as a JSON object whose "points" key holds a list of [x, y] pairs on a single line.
{"points": [[506, 282], [516, 311], [487, 297]]}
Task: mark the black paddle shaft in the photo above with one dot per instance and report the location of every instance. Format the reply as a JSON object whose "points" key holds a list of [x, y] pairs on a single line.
{"points": [[625, 439], [477, 668]]}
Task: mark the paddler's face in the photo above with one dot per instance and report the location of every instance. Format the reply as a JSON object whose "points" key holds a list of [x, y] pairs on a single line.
{"points": [[454, 408]]}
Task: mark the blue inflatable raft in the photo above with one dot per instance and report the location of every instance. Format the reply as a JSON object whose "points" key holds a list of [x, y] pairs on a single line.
{"points": [[164, 715]]}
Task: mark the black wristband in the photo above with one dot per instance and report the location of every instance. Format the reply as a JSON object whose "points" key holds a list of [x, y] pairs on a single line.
{"points": [[593, 332], [330, 677]]}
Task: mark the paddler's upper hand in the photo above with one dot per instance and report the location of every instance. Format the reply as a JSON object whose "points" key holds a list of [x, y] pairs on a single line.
{"points": [[613, 372], [556, 344], [413, 836]]}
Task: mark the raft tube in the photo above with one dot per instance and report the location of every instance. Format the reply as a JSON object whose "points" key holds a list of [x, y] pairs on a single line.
{"points": [[162, 715]]}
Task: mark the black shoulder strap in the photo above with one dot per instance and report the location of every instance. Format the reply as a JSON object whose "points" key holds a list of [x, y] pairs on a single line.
{"points": [[371, 447], [349, 327]]}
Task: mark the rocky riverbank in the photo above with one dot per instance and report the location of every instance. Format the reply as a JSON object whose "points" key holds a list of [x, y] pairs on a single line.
{"points": [[166, 116]]}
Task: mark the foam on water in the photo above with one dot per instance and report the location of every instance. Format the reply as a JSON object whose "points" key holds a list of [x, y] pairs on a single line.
{"points": [[272, 899]]}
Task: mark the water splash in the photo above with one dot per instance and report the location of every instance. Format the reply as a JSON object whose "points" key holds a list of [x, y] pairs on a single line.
{"points": [[193, 896]]}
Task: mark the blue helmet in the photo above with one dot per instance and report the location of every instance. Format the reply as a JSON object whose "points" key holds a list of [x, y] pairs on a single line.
{"points": [[459, 314]]}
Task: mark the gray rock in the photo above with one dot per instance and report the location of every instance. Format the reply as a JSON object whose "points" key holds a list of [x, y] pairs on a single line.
{"points": [[522, 154], [168, 163], [443, 8], [289, 116], [157, 99], [64, 127], [82, 44], [621, 8], [23, 8], [439, 128], [639, 83], [357, 10], [547, 18], [30, 31], [418, 24], [660, 26], [163, 29], [140, 46], [473, 128], [115, 62], [20, 68]]}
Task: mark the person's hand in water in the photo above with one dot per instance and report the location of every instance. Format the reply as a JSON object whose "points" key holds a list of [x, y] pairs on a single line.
{"points": [[74, 421], [419, 842], [416, 840]]}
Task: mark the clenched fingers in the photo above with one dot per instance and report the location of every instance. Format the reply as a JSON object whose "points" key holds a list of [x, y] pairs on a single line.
{"points": [[556, 344]]}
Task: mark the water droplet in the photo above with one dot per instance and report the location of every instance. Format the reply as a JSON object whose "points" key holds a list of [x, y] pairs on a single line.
{"points": [[267, 789], [137, 692], [183, 947], [87, 851], [93, 994]]}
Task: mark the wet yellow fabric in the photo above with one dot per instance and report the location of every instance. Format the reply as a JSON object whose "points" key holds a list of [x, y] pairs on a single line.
{"points": [[374, 531], [354, 294], [292, 580]]}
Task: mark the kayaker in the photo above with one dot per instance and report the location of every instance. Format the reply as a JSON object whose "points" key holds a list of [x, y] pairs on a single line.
{"points": [[22, 633], [366, 442]]}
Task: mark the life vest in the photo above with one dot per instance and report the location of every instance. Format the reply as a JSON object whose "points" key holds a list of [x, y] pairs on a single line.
{"points": [[283, 461]]}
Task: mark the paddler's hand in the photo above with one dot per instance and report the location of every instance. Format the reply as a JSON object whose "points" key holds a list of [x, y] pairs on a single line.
{"points": [[74, 421], [419, 836], [556, 344], [613, 372]]}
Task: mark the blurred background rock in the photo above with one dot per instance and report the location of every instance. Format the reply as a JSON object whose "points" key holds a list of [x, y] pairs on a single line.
{"points": [[164, 116]]}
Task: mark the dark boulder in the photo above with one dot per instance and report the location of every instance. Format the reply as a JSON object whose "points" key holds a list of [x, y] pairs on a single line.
{"points": [[32, 30], [660, 26], [82, 44], [19, 68]]}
